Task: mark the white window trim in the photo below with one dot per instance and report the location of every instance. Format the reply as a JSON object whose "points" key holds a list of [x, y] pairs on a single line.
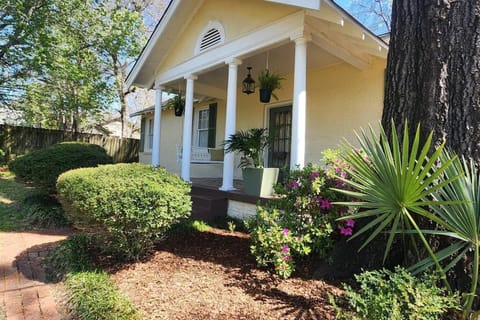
{"points": [[196, 117], [147, 147], [211, 25]]}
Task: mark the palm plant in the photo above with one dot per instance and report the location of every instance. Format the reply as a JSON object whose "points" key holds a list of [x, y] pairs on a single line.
{"points": [[393, 182], [460, 222], [251, 144]]}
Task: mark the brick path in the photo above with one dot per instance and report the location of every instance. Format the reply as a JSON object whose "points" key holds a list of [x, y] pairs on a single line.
{"points": [[24, 295]]}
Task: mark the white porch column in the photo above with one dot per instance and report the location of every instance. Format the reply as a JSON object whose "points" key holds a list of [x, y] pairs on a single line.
{"points": [[157, 118], [230, 120], [299, 109], [187, 128]]}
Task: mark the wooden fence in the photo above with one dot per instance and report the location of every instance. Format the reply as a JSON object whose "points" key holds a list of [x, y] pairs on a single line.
{"points": [[20, 140]]}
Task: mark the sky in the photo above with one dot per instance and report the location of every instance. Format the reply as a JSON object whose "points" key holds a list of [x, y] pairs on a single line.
{"points": [[364, 15]]}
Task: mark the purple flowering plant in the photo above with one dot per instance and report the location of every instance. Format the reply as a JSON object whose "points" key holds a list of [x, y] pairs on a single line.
{"points": [[273, 244], [303, 217]]}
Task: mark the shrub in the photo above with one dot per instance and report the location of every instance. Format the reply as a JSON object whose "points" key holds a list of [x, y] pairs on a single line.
{"points": [[303, 219], [44, 166], [387, 295], [273, 244], [91, 295], [131, 204]]}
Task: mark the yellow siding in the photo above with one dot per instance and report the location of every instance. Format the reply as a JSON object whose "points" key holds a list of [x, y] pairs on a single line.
{"points": [[237, 17], [340, 100]]}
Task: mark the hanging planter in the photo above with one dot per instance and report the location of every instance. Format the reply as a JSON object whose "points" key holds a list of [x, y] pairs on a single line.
{"points": [[265, 95], [269, 82], [178, 110], [178, 104]]}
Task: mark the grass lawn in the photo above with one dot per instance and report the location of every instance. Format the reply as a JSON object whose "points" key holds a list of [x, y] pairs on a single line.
{"points": [[12, 196]]}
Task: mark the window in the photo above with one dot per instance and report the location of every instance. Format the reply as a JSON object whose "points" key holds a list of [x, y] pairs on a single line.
{"points": [[149, 138], [202, 128], [205, 121]]}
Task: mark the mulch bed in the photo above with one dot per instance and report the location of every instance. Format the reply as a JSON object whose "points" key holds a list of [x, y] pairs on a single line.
{"points": [[212, 275]]}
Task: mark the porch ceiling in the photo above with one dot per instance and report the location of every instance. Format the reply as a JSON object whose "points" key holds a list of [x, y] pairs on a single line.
{"points": [[213, 83]]}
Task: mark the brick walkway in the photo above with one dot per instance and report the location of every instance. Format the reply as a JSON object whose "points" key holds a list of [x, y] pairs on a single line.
{"points": [[24, 295]]}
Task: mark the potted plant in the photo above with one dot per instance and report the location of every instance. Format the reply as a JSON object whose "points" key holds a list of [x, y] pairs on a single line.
{"points": [[258, 181], [269, 82], [177, 103]]}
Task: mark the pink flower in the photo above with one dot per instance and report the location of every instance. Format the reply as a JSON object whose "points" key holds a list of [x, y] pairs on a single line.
{"points": [[285, 232], [343, 174], [324, 203], [345, 231], [339, 183], [315, 175], [294, 185], [338, 169], [285, 249], [287, 258], [350, 223]]}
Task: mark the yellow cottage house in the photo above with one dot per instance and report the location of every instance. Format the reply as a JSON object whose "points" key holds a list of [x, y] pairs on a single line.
{"points": [[332, 65]]}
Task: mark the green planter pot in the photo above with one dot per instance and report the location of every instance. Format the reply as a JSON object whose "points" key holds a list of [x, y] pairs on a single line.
{"points": [[259, 181]]}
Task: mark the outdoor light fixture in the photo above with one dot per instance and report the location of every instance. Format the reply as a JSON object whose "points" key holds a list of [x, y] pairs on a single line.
{"points": [[248, 83]]}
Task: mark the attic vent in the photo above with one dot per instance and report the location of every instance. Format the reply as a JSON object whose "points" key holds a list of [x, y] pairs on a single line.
{"points": [[209, 39], [212, 35]]}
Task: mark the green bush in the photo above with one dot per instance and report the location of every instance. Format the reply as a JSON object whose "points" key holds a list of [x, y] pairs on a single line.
{"points": [[302, 219], [131, 204], [387, 295], [91, 295], [44, 166]]}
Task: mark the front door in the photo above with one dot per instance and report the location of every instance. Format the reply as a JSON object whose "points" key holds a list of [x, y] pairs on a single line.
{"points": [[280, 127]]}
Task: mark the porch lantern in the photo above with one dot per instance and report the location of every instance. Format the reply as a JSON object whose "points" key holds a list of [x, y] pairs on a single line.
{"points": [[248, 83]]}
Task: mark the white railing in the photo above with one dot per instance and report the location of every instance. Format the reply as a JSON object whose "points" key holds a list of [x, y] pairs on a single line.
{"points": [[198, 154]]}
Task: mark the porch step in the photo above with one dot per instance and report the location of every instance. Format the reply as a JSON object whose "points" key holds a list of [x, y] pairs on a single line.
{"points": [[208, 207]]}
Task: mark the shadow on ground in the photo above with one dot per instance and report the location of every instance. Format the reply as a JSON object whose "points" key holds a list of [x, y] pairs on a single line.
{"points": [[300, 297]]}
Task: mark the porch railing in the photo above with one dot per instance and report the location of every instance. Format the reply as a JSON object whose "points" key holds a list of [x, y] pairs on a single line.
{"points": [[198, 155]]}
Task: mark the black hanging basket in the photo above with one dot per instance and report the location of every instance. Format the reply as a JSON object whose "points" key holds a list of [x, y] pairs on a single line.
{"points": [[178, 108], [265, 95]]}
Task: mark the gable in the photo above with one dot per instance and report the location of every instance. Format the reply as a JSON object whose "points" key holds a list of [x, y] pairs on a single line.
{"points": [[237, 18]]}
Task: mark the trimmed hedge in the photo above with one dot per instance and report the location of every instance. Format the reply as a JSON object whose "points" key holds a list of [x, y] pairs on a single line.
{"points": [[44, 166], [131, 204]]}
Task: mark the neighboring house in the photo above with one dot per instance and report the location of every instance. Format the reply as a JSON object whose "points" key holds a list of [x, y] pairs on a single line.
{"points": [[11, 117], [333, 69]]}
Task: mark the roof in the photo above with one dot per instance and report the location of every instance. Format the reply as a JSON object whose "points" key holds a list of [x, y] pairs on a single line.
{"points": [[145, 65]]}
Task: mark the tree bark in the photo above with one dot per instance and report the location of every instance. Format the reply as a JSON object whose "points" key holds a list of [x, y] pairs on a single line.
{"points": [[433, 72]]}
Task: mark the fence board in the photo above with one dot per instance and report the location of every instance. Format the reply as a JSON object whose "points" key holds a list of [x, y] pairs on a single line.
{"points": [[15, 140]]}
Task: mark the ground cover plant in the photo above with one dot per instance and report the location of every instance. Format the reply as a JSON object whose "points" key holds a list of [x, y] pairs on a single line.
{"points": [[398, 295], [91, 295], [302, 220], [43, 166], [131, 205], [89, 292]]}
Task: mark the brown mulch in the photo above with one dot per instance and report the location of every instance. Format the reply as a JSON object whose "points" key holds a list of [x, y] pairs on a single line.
{"points": [[212, 275]]}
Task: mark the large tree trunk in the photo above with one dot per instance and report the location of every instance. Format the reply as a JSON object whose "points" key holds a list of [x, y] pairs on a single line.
{"points": [[433, 71]]}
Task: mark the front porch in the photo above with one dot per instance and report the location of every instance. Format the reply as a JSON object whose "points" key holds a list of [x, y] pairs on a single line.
{"points": [[210, 81], [209, 203]]}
